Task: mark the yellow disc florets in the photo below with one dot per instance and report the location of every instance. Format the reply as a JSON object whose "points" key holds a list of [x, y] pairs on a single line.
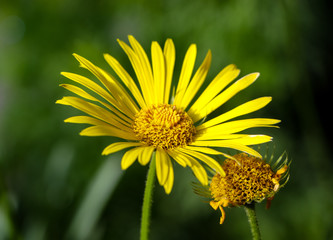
{"points": [[246, 180], [249, 179], [164, 126]]}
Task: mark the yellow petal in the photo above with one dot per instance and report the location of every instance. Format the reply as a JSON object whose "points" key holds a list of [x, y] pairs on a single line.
{"points": [[170, 179], [208, 151], [124, 102], [222, 214], [94, 110], [162, 166], [170, 56], [143, 59], [204, 158], [186, 73], [252, 139], [145, 156], [122, 118], [159, 72], [144, 81], [203, 150], [130, 157], [100, 128], [214, 205], [196, 81], [118, 146], [243, 109], [203, 136], [227, 75], [92, 121], [226, 95], [236, 126], [89, 84], [78, 91], [179, 159], [198, 170], [95, 131], [227, 144], [200, 173], [126, 79]]}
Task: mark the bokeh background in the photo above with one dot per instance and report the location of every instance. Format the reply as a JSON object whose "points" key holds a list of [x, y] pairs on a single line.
{"points": [[55, 184]]}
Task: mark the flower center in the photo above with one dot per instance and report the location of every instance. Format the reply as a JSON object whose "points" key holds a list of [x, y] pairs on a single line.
{"points": [[251, 180], [164, 126]]}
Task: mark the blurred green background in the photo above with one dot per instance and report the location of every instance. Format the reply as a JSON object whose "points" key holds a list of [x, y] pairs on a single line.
{"points": [[55, 184]]}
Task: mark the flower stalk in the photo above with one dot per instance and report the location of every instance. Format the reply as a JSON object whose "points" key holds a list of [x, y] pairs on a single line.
{"points": [[147, 199], [252, 218]]}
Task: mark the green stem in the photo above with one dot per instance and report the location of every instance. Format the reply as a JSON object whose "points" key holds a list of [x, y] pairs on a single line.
{"points": [[251, 215], [147, 199]]}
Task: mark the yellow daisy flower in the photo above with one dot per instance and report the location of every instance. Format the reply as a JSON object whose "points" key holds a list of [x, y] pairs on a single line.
{"points": [[148, 118], [248, 179]]}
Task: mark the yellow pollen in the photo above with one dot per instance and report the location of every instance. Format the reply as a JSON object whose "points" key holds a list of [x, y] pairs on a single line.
{"points": [[251, 180], [164, 126]]}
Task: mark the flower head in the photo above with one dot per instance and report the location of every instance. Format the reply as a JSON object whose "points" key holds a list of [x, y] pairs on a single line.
{"points": [[246, 180], [142, 112]]}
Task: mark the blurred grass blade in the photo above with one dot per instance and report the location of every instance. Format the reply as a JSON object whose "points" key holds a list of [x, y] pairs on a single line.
{"points": [[6, 224], [96, 196]]}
